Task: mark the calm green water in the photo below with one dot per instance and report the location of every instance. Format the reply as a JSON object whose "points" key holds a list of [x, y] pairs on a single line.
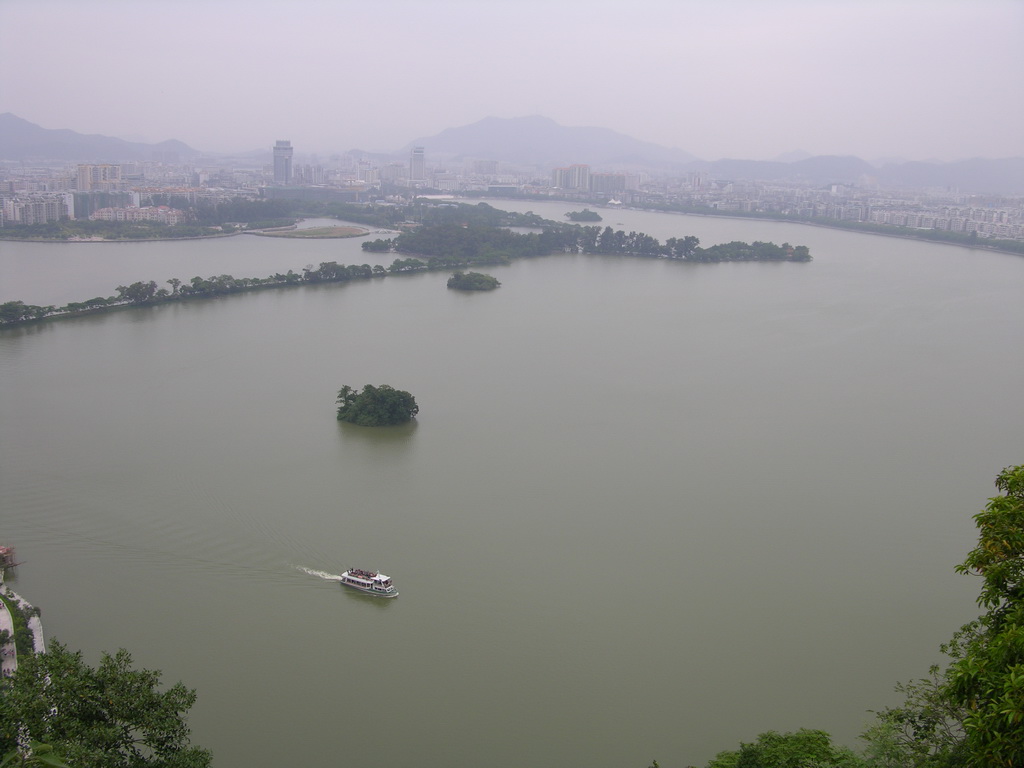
{"points": [[649, 509]]}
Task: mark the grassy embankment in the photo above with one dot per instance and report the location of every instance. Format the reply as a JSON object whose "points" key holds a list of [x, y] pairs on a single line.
{"points": [[318, 232]]}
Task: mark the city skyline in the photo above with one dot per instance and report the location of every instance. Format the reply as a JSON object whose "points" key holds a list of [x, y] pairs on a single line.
{"points": [[910, 80]]}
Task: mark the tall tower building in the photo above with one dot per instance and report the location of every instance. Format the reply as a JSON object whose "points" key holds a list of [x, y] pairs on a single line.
{"points": [[573, 177], [283, 162], [98, 177], [417, 165]]}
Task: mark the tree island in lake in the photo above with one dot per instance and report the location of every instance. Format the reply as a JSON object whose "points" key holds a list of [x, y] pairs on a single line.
{"points": [[473, 281], [376, 406], [585, 215]]}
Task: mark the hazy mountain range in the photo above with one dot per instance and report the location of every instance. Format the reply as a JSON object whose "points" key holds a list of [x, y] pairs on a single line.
{"points": [[23, 141], [540, 141]]}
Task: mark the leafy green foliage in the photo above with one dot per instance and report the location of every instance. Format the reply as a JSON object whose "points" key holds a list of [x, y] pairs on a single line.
{"points": [[987, 677], [456, 245], [452, 244], [113, 716], [585, 215], [377, 246], [479, 215], [136, 293], [333, 272], [926, 730], [408, 265], [999, 556], [971, 713], [35, 755], [802, 749], [726, 759], [376, 406], [22, 635], [473, 281], [756, 251]]}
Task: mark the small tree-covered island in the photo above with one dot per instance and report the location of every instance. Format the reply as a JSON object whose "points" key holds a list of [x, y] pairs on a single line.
{"points": [[376, 406], [585, 215], [473, 281]]}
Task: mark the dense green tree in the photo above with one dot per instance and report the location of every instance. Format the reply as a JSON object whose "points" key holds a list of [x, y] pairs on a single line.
{"points": [[587, 239], [473, 281], [972, 712], [585, 215], [19, 311], [756, 251], [13, 311], [682, 248], [377, 246], [452, 244], [926, 730], [987, 678], [20, 617], [408, 265], [137, 293], [802, 749], [346, 396], [32, 755], [113, 716], [725, 759], [376, 406]]}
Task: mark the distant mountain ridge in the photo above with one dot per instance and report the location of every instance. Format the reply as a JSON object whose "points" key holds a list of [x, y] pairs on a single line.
{"points": [[539, 141], [27, 142]]}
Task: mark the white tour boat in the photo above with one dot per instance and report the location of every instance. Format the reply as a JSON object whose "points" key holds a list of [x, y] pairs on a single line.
{"points": [[370, 582]]}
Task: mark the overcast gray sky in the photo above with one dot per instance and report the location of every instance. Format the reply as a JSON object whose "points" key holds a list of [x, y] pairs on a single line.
{"points": [[916, 79]]}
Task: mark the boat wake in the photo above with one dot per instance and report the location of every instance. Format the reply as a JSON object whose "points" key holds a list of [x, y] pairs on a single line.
{"points": [[319, 574]]}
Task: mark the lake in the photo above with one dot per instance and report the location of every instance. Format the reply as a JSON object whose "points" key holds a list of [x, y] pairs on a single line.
{"points": [[648, 509]]}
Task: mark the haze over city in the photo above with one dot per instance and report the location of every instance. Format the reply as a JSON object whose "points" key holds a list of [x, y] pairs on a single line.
{"points": [[910, 80]]}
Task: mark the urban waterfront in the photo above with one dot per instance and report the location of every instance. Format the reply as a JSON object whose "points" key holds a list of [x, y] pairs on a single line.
{"points": [[648, 510]]}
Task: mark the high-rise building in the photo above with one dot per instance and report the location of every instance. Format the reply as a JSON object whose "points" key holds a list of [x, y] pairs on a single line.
{"points": [[485, 167], [283, 162], [36, 209], [98, 177], [393, 172], [417, 165], [607, 182], [573, 177]]}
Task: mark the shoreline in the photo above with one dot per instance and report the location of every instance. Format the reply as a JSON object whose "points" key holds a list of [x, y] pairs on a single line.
{"points": [[9, 661], [980, 245], [278, 232], [115, 241], [269, 232], [294, 233]]}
